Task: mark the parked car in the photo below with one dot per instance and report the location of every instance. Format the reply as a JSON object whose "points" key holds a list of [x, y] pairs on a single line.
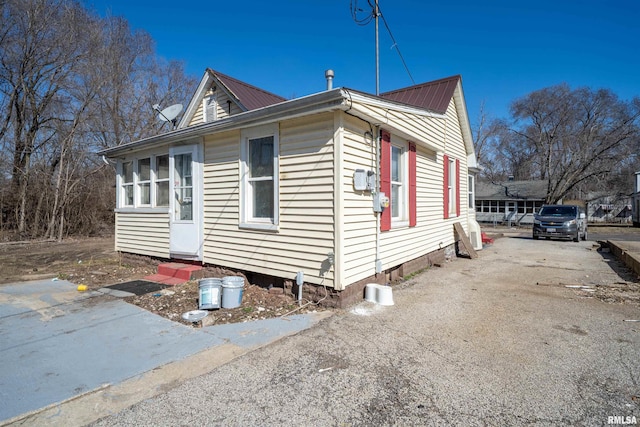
{"points": [[564, 221]]}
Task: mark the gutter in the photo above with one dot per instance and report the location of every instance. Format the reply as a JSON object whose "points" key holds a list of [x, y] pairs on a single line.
{"points": [[336, 99]]}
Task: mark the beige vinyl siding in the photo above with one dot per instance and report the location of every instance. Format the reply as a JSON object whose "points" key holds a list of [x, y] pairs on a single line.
{"points": [[222, 110], [143, 233], [432, 231], [306, 230], [359, 220], [455, 148]]}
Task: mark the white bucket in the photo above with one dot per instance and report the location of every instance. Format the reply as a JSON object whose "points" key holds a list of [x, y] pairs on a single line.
{"points": [[232, 289], [210, 293]]}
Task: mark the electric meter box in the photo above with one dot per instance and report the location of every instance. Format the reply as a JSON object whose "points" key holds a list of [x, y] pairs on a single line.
{"points": [[364, 180], [360, 180]]}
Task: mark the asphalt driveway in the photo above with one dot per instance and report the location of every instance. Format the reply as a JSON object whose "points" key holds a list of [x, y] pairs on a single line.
{"points": [[57, 344]]}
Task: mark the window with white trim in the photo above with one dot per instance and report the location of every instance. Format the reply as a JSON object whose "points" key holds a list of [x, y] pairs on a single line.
{"points": [[399, 187], [259, 178], [127, 183], [452, 187], [144, 181], [162, 180], [471, 192]]}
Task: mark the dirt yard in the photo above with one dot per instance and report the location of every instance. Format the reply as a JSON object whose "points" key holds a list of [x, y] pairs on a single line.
{"points": [[94, 263]]}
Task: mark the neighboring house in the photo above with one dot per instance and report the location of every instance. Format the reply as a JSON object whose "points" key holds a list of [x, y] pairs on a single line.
{"points": [[635, 202], [510, 202], [610, 209], [273, 187]]}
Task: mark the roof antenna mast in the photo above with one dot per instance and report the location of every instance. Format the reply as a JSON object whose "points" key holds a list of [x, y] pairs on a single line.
{"points": [[376, 13]]}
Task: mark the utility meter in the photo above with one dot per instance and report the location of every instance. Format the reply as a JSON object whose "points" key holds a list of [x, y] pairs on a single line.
{"points": [[380, 202]]}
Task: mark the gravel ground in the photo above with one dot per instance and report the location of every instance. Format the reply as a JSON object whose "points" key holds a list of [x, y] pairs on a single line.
{"points": [[500, 340]]}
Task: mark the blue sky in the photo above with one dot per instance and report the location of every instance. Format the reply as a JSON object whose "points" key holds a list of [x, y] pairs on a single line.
{"points": [[503, 49]]}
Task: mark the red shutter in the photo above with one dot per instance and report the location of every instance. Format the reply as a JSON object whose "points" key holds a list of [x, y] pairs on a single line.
{"points": [[413, 209], [457, 187], [385, 177], [445, 161]]}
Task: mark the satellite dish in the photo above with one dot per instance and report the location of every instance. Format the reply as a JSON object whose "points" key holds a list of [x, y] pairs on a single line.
{"points": [[169, 114]]}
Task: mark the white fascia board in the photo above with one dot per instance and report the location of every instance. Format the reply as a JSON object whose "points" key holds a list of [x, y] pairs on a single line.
{"points": [[378, 102], [396, 126], [463, 118], [319, 102], [196, 100]]}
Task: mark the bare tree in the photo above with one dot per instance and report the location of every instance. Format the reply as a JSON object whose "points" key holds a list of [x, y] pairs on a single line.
{"points": [[71, 83], [572, 138]]}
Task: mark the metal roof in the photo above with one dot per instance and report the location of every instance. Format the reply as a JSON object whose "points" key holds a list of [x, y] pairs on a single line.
{"points": [[434, 96], [511, 190], [249, 96]]}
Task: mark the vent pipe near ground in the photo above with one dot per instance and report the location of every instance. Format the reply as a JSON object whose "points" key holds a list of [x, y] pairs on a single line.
{"points": [[329, 76]]}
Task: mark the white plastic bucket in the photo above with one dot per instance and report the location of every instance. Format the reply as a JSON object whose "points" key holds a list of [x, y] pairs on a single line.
{"points": [[210, 293], [232, 288]]}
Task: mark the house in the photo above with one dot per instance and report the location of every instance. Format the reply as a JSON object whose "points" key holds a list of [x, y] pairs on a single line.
{"points": [[339, 188], [510, 201]]}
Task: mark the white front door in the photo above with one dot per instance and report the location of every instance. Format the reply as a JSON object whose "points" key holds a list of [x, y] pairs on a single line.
{"points": [[185, 165]]}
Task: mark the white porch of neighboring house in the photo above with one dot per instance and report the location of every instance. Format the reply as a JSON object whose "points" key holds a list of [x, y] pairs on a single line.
{"points": [[509, 202]]}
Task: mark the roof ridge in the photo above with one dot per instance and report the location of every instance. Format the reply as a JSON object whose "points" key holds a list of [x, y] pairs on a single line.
{"points": [[227, 77], [421, 85]]}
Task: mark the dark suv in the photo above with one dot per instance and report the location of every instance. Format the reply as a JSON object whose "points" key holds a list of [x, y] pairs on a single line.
{"points": [[565, 221]]}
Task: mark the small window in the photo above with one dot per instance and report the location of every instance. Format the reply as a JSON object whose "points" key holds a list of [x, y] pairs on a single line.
{"points": [[127, 183], [162, 180], [259, 171], [144, 181], [398, 183], [452, 188], [471, 191]]}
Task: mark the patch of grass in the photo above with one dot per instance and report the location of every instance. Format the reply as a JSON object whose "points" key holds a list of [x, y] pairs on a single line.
{"points": [[247, 309], [415, 273]]}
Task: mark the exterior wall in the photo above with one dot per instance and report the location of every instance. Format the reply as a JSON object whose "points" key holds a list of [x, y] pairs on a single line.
{"points": [[306, 231], [143, 233], [432, 232], [222, 110]]}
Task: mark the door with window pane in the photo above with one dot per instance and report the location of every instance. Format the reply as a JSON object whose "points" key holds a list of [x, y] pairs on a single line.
{"points": [[186, 202]]}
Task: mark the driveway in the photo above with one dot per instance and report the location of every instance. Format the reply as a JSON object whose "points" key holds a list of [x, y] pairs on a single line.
{"points": [[58, 345], [510, 338]]}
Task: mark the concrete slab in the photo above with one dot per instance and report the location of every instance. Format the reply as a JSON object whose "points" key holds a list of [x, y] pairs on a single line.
{"points": [[57, 343]]}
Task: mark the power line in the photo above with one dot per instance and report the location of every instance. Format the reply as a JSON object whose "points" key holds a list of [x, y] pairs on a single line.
{"points": [[355, 11], [395, 44]]}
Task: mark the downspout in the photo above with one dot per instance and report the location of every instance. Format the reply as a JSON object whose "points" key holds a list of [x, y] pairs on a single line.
{"points": [[378, 261]]}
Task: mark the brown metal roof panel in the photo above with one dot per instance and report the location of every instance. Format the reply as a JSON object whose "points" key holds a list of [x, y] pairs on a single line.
{"points": [[250, 96], [435, 95]]}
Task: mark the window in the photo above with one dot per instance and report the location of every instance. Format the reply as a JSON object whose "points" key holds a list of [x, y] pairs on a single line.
{"points": [[451, 187], [398, 193], [144, 181], [471, 191], [259, 171], [183, 187], [398, 182], [127, 183], [162, 180]]}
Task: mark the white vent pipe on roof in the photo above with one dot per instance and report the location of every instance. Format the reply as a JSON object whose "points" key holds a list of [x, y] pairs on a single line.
{"points": [[329, 76]]}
